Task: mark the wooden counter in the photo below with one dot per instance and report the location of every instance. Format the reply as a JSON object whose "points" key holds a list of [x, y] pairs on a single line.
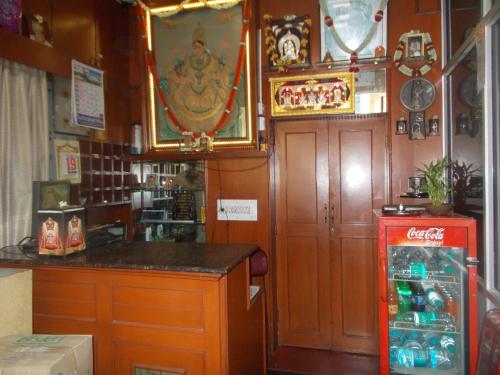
{"points": [[176, 308]]}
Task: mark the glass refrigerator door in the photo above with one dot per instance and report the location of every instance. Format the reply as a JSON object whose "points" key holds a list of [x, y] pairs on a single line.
{"points": [[428, 299]]}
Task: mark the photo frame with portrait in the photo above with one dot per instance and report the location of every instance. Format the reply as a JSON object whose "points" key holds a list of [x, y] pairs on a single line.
{"points": [[196, 66], [38, 29], [415, 46]]}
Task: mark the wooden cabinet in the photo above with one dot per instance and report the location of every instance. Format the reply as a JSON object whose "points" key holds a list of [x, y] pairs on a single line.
{"points": [[181, 323], [326, 257]]}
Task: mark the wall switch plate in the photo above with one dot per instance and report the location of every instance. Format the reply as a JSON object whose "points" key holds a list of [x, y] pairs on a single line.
{"points": [[237, 209]]}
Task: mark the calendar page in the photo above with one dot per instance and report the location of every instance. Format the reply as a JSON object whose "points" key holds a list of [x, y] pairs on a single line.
{"points": [[87, 93]]}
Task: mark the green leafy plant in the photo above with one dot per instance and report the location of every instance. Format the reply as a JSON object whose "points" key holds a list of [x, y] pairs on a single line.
{"points": [[435, 181], [463, 181]]}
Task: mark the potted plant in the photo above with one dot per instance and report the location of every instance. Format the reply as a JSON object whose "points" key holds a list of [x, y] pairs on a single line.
{"points": [[436, 186], [464, 182]]}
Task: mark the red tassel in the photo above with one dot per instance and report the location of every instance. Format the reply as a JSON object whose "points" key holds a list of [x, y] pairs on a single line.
{"points": [[328, 21], [379, 16]]}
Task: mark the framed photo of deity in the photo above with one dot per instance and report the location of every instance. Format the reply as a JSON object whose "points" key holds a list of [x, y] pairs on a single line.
{"points": [[199, 78], [68, 165], [329, 93], [358, 26]]}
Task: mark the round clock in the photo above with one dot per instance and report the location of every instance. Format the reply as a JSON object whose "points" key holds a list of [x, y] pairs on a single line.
{"points": [[467, 91], [417, 94]]}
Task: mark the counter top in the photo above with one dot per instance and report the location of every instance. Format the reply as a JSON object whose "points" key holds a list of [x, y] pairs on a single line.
{"points": [[156, 255]]}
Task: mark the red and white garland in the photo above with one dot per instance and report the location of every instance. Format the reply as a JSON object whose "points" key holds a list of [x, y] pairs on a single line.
{"points": [[236, 81], [271, 49], [430, 56], [377, 17]]}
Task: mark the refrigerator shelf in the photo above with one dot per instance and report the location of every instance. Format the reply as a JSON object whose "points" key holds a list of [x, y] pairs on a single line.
{"points": [[402, 326], [422, 371], [406, 276]]}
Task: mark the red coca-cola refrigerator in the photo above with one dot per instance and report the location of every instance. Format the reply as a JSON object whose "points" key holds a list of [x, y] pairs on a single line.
{"points": [[427, 294]]}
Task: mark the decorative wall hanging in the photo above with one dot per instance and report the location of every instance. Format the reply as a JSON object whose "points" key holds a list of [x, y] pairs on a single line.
{"points": [[287, 40], [312, 95], [415, 46], [350, 29], [416, 95], [68, 160], [199, 77]]}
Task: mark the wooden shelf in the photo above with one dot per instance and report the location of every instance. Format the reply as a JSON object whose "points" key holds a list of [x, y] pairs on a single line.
{"points": [[23, 50], [172, 155]]}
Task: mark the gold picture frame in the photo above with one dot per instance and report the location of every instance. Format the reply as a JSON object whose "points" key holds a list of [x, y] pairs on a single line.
{"points": [[68, 165], [328, 93]]}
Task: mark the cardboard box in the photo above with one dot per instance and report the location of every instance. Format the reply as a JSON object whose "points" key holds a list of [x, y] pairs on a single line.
{"points": [[46, 355], [16, 315], [61, 232]]}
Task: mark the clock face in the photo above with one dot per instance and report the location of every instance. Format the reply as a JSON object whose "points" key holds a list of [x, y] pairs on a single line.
{"points": [[467, 91], [417, 94]]}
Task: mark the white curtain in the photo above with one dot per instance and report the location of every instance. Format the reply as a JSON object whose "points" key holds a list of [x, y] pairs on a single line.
{"points": [[24, 145]]}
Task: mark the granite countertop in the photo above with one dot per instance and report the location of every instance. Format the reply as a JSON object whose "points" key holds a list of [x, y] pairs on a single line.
{"points": [[156, 255]]}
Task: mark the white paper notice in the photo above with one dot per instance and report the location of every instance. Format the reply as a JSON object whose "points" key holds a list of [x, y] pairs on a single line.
{"points": [[87, 96], [237, 209]]}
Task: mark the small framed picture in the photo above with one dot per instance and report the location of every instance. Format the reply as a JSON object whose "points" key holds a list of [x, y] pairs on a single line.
{"points": [[417, 126], [415, 46], [38, 29], [68, 160]]}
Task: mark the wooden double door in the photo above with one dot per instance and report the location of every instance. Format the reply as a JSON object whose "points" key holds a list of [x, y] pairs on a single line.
{"points": [[330, 175]]}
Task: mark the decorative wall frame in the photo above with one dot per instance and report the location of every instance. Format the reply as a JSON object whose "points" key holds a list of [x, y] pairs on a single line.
{"points": [[287, 40], [68, 165], [328, 93], [352, 29], [199, 77]]}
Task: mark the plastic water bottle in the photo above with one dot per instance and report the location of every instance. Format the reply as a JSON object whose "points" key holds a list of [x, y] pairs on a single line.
{"points": [[404, 294], [448, 342], [431, 339], [440, 359], [412, 344], [432, 296], [410, 358]]}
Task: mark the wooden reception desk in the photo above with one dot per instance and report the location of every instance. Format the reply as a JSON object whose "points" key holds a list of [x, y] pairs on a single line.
{"points": [[170, 307]]}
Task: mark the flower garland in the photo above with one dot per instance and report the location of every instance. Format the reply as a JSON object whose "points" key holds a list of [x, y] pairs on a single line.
{"points": [[236, 80], [270, 41], [379, 15], [173, 10], [430, 56]]}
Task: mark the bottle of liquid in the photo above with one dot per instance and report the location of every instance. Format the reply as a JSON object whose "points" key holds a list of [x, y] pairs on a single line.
{"points": [[432, 296], [409, 358], [417, 297], [392, 301], [404, 296], [447, 342], [431, 339], [440, 359]]}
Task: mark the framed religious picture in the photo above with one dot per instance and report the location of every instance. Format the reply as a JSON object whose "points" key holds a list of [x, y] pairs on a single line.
{"points": [[312, 95], [68, 165], [287, 40], [199, 77], [353, 29], [415, 46], [38, 29]]}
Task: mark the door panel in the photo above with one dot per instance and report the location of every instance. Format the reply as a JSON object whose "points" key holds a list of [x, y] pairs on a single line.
{"points": [[357, 175], [302, 234]]}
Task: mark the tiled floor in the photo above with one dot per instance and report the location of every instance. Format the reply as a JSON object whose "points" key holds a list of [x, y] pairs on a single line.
{"points": [[322, 362]]}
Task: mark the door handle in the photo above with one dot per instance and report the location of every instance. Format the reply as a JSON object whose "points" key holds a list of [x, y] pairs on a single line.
{"points": [[326, 212], [332, 219]]}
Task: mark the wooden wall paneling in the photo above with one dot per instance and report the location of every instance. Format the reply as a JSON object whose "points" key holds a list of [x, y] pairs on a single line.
{"points": [[112, 55], [408, 155], [428, 6], [74, 28], [246, 178], [357, 186], [302, 246]]}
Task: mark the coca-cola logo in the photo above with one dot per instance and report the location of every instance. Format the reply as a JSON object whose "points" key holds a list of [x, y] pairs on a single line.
{"points": [[436, 234]]}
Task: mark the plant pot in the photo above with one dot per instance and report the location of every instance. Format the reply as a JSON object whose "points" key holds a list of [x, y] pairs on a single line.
{"points": [[439, 209]]}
